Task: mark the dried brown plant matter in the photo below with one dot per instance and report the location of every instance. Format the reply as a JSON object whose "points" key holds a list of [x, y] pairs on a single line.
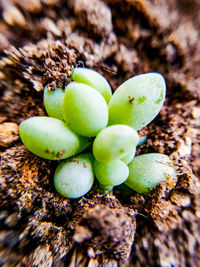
{"points": [[40, 42]]}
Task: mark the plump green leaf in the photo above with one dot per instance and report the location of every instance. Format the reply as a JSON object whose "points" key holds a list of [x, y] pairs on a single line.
{"points": [[146, 171], [137, 101], [74, 177], [53, 101], [94, 79], [114, 142], [111, 173], [50, 138], [85, 110]]}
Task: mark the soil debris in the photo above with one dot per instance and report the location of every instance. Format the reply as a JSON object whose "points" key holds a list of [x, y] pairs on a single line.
{"points": [[40, 43]]}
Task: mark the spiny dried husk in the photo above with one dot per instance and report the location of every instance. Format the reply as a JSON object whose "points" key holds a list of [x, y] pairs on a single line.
{"points": [[41, 41]]}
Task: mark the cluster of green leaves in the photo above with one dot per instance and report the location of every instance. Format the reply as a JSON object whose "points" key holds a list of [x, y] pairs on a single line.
{"points": [[85, 112]]}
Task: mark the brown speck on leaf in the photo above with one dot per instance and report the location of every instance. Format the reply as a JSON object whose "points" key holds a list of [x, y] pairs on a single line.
{"points": [[75, 160], [60, 154], [131, 99], [84, 165]]}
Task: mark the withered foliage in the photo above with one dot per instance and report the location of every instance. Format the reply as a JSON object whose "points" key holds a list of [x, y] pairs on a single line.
{"points": [[40, 42]]}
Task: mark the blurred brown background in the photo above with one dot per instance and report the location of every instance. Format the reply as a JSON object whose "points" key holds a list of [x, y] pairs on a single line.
{"points": [[40, 42]]}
